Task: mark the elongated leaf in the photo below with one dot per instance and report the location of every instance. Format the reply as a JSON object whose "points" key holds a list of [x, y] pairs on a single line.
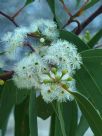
{"points": [[78, 2], [33, 114], [90, 113], [82, 126], [95, 39], [21, 119], [73, 39], [4, 128], [70, 117], [8, 99], [44, 110], [21, 95], [57, 128], [28, 2], [56, 18], [2, 53], [91, 3], [52, 125], [52, 5], [89, 77]]}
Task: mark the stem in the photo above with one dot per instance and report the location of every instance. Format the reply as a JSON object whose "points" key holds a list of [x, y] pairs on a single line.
{"points": [[9, 18], [72, 17], [61, 119], [71, 21], [7, 75], [27, 44], [65, 8], [17, 13], [88, 20]]}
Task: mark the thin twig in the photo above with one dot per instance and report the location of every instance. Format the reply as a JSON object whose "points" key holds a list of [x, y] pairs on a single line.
{"points": [[32, 49], [12, 19], [9, 18], [79, 12], [7, 75], [71, 21], [65, 8], [33, 35], [72, 17], [17, 13], [88, 21]]}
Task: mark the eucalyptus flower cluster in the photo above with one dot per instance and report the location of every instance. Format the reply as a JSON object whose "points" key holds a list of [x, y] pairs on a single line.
{"points": [[52, 64]]}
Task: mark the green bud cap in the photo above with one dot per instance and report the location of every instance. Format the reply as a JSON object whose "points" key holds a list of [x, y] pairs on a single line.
{"points": [[58, 78], [47, 81], [54, 70], [70, 79], [65, 71], [2, 82]]}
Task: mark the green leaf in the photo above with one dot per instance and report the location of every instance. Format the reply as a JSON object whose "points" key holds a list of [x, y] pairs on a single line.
{"points": [[52, 5], [91, 3], [44, 110], [4, 128], [7, 100], [82, 126], [57, 128], [21, 95], [52, 125], [78, 2], [95, 39], [28, 2], [74, 39], [90, 113], [22, 119], [89, 79], [70, 117], [61, 119], [33, 114], [2, 53]]}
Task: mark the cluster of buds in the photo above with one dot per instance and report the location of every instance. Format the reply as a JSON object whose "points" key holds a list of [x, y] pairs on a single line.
{"points": [[51, 64]]}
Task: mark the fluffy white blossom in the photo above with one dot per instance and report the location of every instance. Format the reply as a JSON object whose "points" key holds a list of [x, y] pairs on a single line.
{"points": [[45, 27], [27, 72], [55, 86], [65, 54], [15, 39], [50, 66]]}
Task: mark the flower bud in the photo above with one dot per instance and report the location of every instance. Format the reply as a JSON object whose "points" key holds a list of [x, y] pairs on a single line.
{"points": [[47, 81], [54, 70], [65, 71], [2, 82], [70, 79], [42, 40]]}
